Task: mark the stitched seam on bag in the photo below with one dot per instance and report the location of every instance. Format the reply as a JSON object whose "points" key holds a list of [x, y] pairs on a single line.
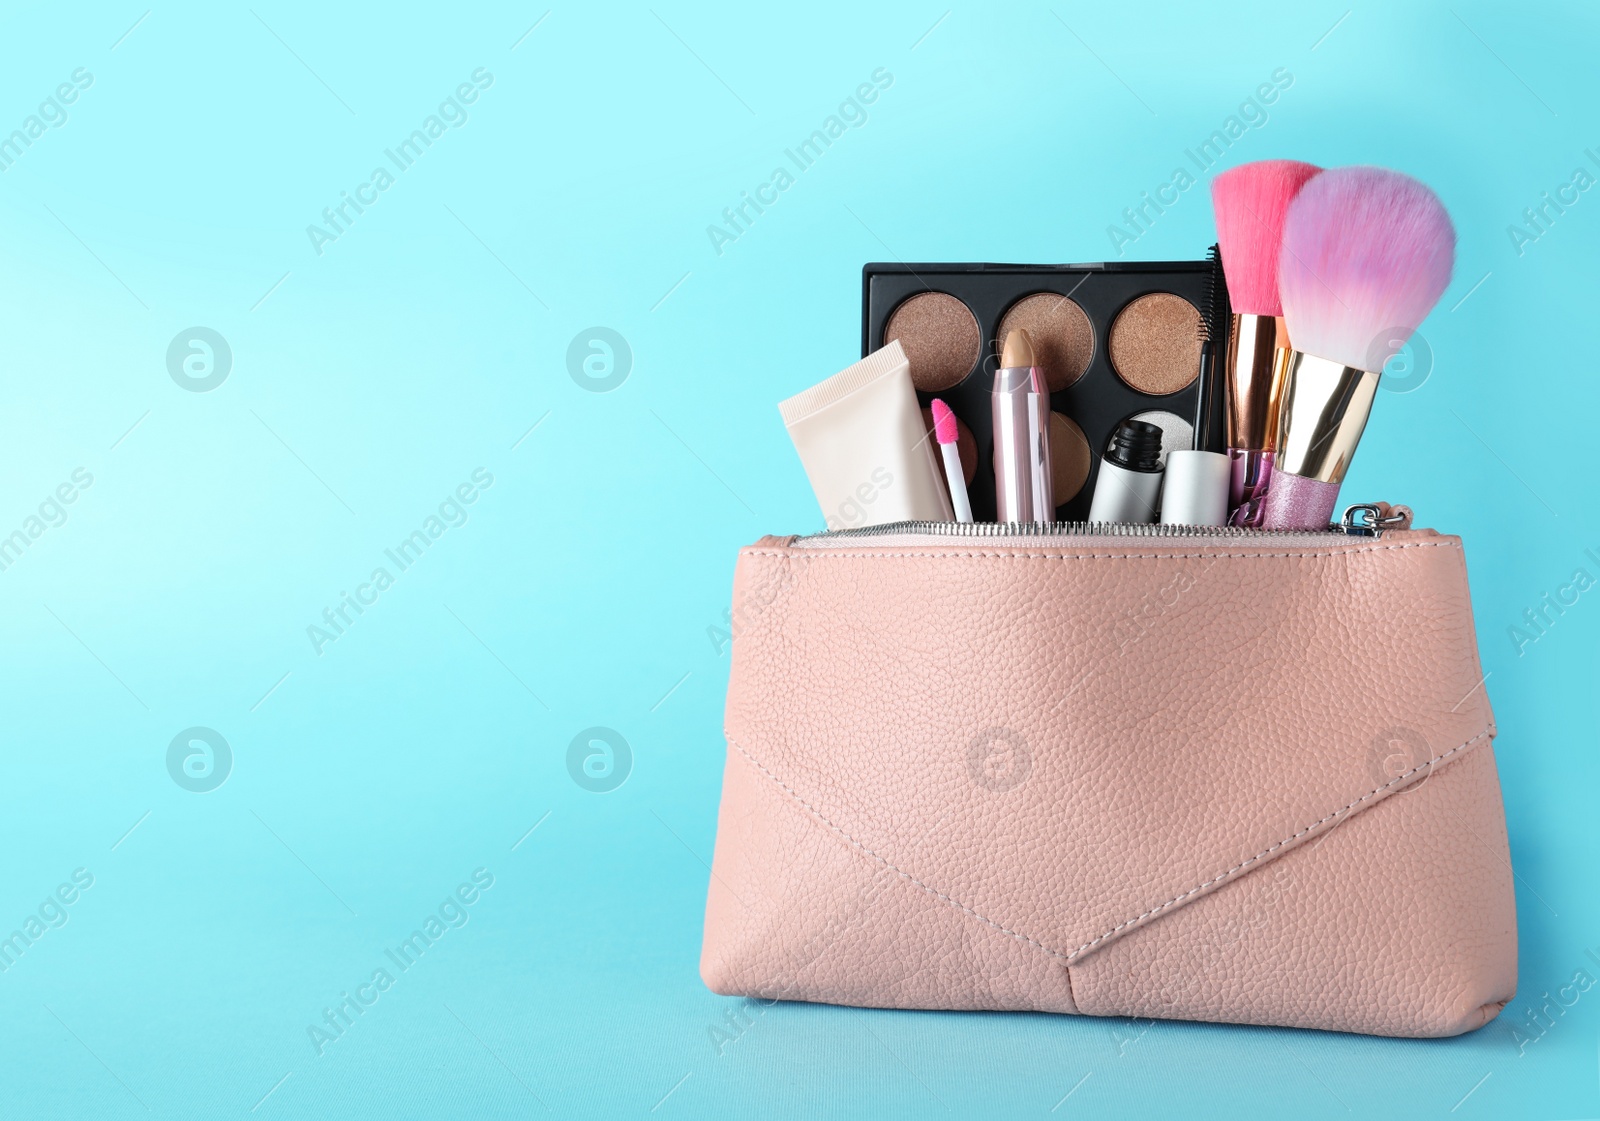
{"points": [[1430, 764], [820, 816], [1067, 957], [847, 552]]}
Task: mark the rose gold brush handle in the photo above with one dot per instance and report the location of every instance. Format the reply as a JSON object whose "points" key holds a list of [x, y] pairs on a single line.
{"points": [[1254, 370], [1322, 415]]}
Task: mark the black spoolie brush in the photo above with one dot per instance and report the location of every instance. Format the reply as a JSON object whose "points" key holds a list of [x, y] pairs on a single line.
{"points": [[1215, 315]]}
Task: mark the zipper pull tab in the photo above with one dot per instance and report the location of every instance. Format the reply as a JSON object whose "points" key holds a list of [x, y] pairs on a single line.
{"points": [[1370, 519]]}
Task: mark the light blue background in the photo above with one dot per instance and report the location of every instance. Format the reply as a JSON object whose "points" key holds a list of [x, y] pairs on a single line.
{"points": [[425, 342]]}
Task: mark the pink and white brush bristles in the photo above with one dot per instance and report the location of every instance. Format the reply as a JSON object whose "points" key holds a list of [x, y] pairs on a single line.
{"points": [[1367, 252]]}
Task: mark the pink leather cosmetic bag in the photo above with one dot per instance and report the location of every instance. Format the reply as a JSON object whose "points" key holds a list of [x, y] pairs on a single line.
{"points": [[1222, 775]]}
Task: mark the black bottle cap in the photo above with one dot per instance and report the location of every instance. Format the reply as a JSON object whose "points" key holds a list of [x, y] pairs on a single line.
{"points": [[1136, 446]]}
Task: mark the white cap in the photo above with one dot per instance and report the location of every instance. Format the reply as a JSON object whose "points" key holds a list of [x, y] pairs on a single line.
{"points": [[1196, 488]]}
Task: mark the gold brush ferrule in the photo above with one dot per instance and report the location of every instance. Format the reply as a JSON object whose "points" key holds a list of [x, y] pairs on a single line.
{"points": [[1323, 411], [1257, 352]]}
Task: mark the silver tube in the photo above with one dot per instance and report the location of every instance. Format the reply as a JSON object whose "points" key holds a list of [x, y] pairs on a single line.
{"points": [[1022, 479]]}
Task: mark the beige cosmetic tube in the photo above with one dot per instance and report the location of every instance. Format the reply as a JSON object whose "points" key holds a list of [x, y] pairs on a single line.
{"points": [[865, 448]]}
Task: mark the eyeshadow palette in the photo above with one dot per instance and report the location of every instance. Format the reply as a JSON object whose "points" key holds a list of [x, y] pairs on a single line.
{"points": [[1116, 341]]}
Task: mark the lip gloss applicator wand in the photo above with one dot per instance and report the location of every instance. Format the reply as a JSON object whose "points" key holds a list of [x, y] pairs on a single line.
{"points": [[947, 432]]}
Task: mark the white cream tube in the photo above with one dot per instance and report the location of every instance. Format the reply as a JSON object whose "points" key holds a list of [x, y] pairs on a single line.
{"points": [[865, 448]]}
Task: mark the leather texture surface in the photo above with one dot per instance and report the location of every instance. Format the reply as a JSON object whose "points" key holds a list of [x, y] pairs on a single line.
{"points": [[1246, 782]]}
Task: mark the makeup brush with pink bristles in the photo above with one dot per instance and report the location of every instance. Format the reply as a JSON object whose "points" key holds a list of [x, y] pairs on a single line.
{"points": [[1367, 253], [1250, 202]]}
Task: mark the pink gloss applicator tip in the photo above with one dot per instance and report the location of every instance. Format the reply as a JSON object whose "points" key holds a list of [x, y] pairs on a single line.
{"points": [[944, 423]]}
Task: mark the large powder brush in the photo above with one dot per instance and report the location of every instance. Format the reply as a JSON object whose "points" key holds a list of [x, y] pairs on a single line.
{"points": [[1366, 255], [1251, 202]]}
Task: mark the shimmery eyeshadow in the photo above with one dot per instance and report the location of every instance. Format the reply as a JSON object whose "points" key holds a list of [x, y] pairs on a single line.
{"points": [[940, 337], [1155, 344], [1175, 431], [1069, 458], [1063, 337]]}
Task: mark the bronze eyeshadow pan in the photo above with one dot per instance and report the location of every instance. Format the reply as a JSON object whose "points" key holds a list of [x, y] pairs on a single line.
{"points": [[940, 338], [1063, 337], [1155, 343]]}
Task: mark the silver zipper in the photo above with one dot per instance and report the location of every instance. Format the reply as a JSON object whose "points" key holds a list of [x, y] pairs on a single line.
{"points": [[1370, 519], [1365, 519]]}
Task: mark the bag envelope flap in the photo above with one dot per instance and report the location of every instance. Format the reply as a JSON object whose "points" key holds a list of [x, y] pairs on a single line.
{"points": [[1071, 742]]}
